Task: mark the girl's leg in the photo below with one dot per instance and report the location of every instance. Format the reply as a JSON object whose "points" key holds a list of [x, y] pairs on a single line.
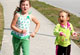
{"points": [[16, 45], [68, 50], [25, 47], [59, 50]]}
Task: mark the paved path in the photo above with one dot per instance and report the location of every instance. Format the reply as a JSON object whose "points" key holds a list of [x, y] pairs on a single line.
{"points": [[42, 44]]}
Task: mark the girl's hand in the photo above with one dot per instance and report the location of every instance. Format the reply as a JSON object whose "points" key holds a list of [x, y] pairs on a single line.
{"points": [[62, 34], [23, 31], [74, 34], [32, 34]]}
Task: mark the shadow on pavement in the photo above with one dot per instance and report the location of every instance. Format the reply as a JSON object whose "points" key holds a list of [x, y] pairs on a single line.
{"points": [[31, 32]]}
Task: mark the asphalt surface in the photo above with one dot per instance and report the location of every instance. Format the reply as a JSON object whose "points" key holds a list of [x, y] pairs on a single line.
{"points": [[42, 44]]}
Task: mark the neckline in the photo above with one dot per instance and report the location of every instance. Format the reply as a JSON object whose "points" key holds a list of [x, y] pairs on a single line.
{"points": [[68, 25], [24, 15]]}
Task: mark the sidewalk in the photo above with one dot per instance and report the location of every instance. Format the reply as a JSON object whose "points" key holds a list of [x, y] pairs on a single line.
{"points": [[42, 44]]}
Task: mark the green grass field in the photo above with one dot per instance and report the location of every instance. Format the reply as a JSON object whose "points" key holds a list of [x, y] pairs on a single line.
{"points": [[51, 12], [1, 24]]}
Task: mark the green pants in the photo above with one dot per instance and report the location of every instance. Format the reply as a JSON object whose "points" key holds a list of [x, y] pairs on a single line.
{"points": [[20, 43]]}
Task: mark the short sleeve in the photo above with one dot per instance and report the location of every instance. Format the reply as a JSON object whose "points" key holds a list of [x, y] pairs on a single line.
{"points": [[29, 13]]}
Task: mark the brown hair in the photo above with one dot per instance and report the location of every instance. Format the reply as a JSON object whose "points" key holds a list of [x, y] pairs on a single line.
{"points": [[18, 9], [68, 14]]}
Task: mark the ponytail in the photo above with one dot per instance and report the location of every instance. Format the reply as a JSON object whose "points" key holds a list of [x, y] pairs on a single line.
{"points": [[18, 9]]}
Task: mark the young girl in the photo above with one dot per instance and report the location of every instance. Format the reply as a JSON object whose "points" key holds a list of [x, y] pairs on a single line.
{"points": [[20, 25], [63, 31]]}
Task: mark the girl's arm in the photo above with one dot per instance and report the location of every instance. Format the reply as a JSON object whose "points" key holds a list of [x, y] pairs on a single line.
{"points": [[57, 31], [13, 24], [37, 25], [73, 33]]}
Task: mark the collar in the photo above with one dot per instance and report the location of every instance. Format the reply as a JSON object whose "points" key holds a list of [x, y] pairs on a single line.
{"points": [[68, 25]]}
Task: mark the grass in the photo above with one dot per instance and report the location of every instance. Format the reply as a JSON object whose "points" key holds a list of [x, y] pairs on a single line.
{"points": [[51, 12], [1, 24]]}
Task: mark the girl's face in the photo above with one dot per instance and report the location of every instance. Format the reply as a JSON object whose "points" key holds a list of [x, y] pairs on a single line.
{"points": [[63, 17], [25, 6]]}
